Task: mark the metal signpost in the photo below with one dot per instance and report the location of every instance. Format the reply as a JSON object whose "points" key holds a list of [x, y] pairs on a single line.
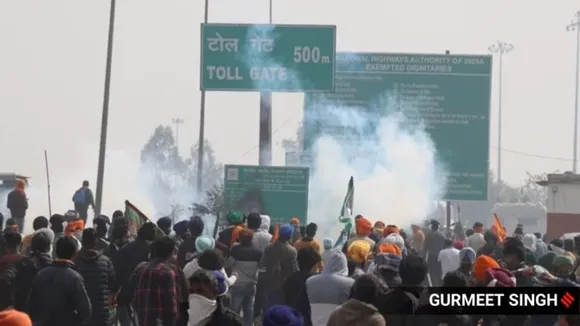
{"points": [[277, 58], [448, 94], [279, 192]]}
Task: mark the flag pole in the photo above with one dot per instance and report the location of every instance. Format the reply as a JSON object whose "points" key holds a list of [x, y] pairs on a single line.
{"points": [[47, 182]]}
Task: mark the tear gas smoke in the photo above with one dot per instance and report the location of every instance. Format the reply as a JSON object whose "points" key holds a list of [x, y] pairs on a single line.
{"points": [[397, 177]]}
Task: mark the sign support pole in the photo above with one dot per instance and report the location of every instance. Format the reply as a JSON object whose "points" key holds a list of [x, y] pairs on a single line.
{"points": [[265, 136], [201, 141]]}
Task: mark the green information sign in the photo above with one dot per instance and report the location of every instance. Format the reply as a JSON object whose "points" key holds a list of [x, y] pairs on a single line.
{"points": [[283, 58], [279, 192], [448, 94]]}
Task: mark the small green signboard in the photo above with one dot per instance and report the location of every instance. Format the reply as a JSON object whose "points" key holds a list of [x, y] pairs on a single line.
{"points": [[279, 192], [448, 94], [283, 58]]}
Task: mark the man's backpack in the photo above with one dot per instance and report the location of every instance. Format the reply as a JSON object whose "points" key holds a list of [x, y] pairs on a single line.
{"points": [[80, 197]]}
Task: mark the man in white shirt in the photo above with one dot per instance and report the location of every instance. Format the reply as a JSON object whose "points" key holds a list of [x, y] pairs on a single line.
{"points": [[448, 258], [476, 241]]}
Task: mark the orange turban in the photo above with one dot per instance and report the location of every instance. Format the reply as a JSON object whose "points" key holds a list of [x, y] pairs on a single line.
{"points": [[390, 229], [481, 265], [389, 248], [363, 226], [74, 225], [294, 221]]}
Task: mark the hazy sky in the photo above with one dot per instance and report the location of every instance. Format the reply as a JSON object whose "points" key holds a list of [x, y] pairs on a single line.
{"points": [[52, 62]]}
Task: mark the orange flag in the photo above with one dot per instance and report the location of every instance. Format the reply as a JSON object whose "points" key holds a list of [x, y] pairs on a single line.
{"points": [[276, 233], [497, 228]]}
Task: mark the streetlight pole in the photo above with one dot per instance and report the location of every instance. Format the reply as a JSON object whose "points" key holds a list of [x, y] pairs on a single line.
{"points": [[105, 117], [574, 26], [177, 122], [501, 48], [265, 137], [201, 141]]}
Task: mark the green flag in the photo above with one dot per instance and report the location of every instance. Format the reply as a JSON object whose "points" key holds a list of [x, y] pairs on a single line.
{"points": [[135, 217], [347, 204]]}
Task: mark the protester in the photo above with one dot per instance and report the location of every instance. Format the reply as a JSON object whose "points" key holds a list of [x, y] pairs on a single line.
{"points": [[210, 259], [57, 294], [386, 265], [38, 223], [180, 232], [229, 236], [476, 240], [101, 222], [491, 247], [74, 227], [134, 253], [295, 294], [245, 260], [308, 239], [8, 315], [164, 224], [22, 273], [119, 237], [466, 259], [480, 266], [260, 224], [541, 246], [378, 230], [449, 258], [358, 252], [296, 233], [280, 315], [363, 228], [57, 223], [99, 275], [17, 203], [117, 215], [156, 293], [186, 251], [11, 226], [83, 199], [206, 307], [417, 239], [330, 289], [11, 250], [359, 310], [434, 243]]}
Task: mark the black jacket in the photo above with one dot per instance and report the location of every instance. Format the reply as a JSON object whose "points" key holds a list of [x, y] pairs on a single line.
{"points": [[58, 297], [127, 258], [99, 275], [23, 273], [17, 203], [224, 317], [295, 294]]}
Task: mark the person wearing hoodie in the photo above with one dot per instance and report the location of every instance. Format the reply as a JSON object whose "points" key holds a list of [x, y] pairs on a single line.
{"points": [[99, 274], [308, 240], [38, 223], [186, 251], [399, 303], [295, 287], [25, 270], [476, 240], [363, 229], [466, 260], [329, 289], [17, 203], [229, 236], [244, 260], [529, 240], [386, 265], [359, 310]]}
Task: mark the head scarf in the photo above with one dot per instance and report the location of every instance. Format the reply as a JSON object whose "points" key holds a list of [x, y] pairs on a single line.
{"points": [[467, 253], [529, 240], [295, 221], [389, 248], [358, 251], [395, 239], [390, 229], [363, 227], [235, 218], [279, 315], [563, 261], [74, 226], [481, 265], [458, 245], [204, 243], [286, 231], [327, 243], [388, 261]]}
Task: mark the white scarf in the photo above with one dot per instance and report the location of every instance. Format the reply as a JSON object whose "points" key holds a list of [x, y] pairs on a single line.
{"points": [[200, 309]]}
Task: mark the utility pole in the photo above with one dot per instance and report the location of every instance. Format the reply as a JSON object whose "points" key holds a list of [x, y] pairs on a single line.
{"points": [[265, 137], [177, 122], [105, 118], [575, 26], [201, 141], [501, 48]]}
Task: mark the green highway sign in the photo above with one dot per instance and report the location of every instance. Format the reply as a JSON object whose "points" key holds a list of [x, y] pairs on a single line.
{"points": [[279, 192], [448, 94], [278, 58]]}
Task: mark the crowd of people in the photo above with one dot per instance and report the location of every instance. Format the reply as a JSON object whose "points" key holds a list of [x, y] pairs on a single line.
{"points": [[255, 273]]}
